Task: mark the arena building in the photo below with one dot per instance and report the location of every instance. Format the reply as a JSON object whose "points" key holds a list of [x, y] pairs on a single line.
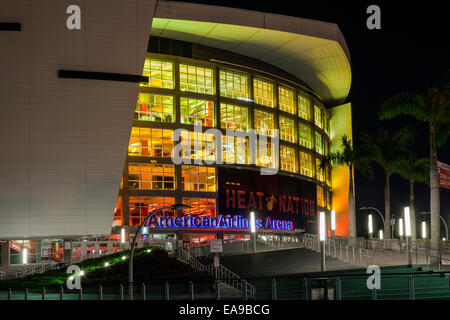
{"points": [[89, 118]]}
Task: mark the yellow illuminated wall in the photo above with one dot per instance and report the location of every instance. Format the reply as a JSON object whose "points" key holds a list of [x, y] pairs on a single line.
{"points": [[341, 124]]}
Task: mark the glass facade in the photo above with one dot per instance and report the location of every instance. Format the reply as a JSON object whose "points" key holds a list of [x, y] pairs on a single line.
{"points": [[159, 72], [194, 111], [153, 107], [214, 96], [196, 79], [286, 100], [263, 93]]}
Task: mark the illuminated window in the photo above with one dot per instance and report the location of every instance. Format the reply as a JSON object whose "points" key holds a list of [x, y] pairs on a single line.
{"points": [[288, 159], [193, 111], [140, 207], [159, 72], [263, 93], [320, 197], [319, 171], [304, 108], [319, 145], [150, 142], [286, 100], [264, 123], [326, 146], [200, 146], [234, 117], [328, 175], [144, 176], [328, 199], [196, 178], [235, 150], [306, 164], [287, 129], [152, 107], [201, 207], [118, 217], [306, 137], [234, 85], [196, 79], [318, 116], [326, 123], [266, 156]]}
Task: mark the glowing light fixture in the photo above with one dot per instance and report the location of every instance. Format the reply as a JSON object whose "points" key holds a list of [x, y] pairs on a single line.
{"points": [[252, 222], [123, 257], [407, 222], [81, 273], [322, 226], [25, 256], [106, 264], [370, 224], [424, 230], [381, 234], [145, 230], [122, 235], [400, 224], [333, 220]]}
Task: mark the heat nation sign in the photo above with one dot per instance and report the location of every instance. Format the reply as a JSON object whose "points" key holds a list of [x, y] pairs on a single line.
{"points": [[444, 175]]}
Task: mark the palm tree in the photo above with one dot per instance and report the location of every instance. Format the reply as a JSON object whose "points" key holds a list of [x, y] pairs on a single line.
{"points": [[433, 108], [389, 152], [354, 158], [414, 171]]}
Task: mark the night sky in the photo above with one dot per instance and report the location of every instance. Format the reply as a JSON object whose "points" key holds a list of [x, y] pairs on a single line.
{"points": [[409, 53]]}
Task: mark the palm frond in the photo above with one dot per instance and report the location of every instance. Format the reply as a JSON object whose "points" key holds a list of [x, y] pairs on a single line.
{"points": [[405, 103]]}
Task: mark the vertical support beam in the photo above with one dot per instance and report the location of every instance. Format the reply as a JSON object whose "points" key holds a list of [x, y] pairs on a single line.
{"points": [[144, 292], [166, 290], [43, 293], [217, 290], [191, 290], [244, 290], [274, 289], [100, 292], [5, 255], [412, 294]]}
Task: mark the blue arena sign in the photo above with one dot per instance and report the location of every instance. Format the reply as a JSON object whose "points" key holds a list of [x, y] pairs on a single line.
{"points": [[220, 222]]}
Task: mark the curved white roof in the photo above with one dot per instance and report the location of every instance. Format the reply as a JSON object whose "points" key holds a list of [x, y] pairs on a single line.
{"points": [[313, 51]]}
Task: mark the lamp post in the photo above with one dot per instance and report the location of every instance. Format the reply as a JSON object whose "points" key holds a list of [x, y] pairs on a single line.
{"points": [[130, 262], [370, 226], [424, 230], [253, 229], [333, 223], [322, 237], [408, 234], [377, 211], [442, 219], [400, 228], [381, 234]]}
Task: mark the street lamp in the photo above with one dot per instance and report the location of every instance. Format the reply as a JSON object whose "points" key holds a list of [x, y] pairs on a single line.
{"points": [[333, 223], [408, 234], [322, 235], [424, 230], [442, 219], [377, 211], [400, 229], [130, 262], [381, 234], [253, 229]]}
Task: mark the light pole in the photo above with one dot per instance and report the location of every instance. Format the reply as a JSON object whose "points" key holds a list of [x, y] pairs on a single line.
{"points": [[424, 230], [400, 228], [442, 219], [130, 262], [377, 211], [370, 226], [408, 234], [333, 223], [322, 237]]}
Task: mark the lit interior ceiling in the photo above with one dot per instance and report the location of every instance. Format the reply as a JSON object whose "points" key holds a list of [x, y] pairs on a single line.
{"points": [[315, 53]]}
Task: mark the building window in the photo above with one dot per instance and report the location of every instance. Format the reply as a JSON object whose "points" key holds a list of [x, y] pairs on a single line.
{"points": [[264, 123], [159, 73], [266, 157], [319, 145], [326, 124], [194, 111], [326, 146], [263, 93], [234, 117], [140, 207], [118, 217], [328, 175], [152, 107], [287, 129], [320, 197], [234, 85], [149, 142], [306, 164], [197, 146], [328, 199], [288, 159], [319, 171], [286, 100], [306, 137], [318, 116], [200, 207], [196, 178], [196, 79], [235, 150], [143, 176], [304, 108]]}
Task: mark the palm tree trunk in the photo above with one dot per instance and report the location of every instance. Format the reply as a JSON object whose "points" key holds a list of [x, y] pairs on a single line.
{"points": [[351, 206], [412, 212], [434, 199], [387, 207]]}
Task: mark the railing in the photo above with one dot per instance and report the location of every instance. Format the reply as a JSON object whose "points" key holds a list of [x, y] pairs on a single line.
{"points": [[184, 256], [29, 270], [230, 278]]}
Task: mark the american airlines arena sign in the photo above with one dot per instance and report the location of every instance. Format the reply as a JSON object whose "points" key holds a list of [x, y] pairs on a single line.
{"points": [[237, 222]]}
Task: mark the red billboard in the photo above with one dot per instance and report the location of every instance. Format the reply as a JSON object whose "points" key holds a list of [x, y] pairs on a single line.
{"points": [[444, 175]]}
